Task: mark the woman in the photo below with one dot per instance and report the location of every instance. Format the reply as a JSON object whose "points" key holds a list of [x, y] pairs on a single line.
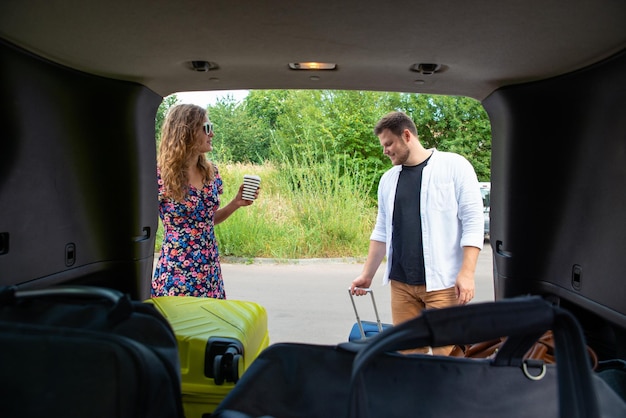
{"points": [[189, 207]]}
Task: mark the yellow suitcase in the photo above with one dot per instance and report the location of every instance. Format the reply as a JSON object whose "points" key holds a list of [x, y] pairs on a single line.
{"points": [[217, 342]]}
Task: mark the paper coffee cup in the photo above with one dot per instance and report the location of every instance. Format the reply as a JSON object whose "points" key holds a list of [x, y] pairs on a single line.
{"points": [[250, 185]]}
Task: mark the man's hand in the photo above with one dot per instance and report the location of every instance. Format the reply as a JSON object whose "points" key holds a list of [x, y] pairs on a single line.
{"points": [[464, 288], [375, 256], [464, 285], [360, 283]]}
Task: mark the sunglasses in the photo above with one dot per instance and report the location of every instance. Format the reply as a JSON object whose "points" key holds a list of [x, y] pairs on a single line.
{"points": [[208, 128]]}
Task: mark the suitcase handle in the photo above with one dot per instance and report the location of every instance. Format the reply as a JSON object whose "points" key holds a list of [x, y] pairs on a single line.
{"points": [[121, 306], [484, 321], [356, 313]]}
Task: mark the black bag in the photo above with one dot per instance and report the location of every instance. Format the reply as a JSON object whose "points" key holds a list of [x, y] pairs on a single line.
{"points": [[85, 352], [613, 372], [297, 380]]}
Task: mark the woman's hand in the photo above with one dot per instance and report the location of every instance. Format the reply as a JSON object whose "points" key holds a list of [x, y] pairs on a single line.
{"points": [[240, 201]]}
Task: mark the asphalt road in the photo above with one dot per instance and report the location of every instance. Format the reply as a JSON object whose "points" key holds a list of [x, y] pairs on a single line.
{"points": [[308, 302]]}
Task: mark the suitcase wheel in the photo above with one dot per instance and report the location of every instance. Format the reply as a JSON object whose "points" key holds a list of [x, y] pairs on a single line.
{"points": [[226, 366], [224, 360]]}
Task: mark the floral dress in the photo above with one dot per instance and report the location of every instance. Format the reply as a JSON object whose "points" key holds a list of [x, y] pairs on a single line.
{"points": [[189, 263]]}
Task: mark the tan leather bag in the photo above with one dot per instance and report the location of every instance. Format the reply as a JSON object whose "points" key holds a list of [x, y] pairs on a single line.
{"points": [[543, 349]]}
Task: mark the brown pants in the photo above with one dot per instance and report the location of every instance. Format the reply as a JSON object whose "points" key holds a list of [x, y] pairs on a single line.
{"points": [[408, 301]]}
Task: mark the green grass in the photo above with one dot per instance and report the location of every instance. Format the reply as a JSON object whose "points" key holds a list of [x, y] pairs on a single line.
{"points": [[305, 209]]}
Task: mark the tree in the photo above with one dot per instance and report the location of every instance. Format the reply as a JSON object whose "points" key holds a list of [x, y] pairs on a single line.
{"points": [[165, 105], [350, 117], [455, 124], [241, 131], [279, 124], [267, 105]]}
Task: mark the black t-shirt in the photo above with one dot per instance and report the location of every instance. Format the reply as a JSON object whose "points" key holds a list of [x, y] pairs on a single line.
{"points": [[407, 261]]}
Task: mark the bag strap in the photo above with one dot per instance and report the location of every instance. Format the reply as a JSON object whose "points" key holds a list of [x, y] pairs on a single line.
{"points": [[513, 349], [484, 321], [120, 305]]}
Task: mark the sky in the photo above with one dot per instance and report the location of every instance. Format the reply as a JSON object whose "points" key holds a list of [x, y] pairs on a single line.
{"points": [[205, 98]]}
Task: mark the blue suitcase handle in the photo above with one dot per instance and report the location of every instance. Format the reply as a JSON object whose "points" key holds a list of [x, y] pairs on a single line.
{"points": [[356, 313]]}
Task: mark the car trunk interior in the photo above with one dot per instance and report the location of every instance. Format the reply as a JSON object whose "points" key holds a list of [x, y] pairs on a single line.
{"points": [[77, 182], [78, 193]]}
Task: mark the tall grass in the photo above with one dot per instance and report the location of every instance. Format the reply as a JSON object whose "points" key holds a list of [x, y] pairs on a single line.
{"points": [[306, 209]]}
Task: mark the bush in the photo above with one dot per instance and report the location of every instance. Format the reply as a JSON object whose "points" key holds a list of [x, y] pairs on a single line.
{"points": [[304, 210]]}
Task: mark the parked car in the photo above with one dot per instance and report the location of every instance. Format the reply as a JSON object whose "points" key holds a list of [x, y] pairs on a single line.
{"points": [[81, 83], [485, 190]]}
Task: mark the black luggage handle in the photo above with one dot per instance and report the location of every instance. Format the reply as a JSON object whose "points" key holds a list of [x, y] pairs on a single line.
{"points": [[121, 306], [80, 292], [484, 321]]}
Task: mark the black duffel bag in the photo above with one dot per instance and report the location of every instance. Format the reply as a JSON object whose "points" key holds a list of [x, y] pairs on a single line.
{"points": [[85, 352], [370, 379]]}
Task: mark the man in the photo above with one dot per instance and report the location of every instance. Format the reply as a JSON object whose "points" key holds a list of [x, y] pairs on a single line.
{"points": [[429, 225]]}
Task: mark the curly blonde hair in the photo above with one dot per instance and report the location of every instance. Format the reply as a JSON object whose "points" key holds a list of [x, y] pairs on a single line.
{"points": [[177, 145]]}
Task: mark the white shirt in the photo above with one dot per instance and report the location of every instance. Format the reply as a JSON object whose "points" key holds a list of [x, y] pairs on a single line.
{"points": [[451, 216]]}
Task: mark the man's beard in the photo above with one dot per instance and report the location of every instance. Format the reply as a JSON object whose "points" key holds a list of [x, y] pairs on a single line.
{"points": [[401, 156]]}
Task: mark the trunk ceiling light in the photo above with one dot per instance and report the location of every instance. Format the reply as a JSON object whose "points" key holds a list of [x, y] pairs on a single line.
{"points": [[427, 68], [203, 66], [314, 66]]}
